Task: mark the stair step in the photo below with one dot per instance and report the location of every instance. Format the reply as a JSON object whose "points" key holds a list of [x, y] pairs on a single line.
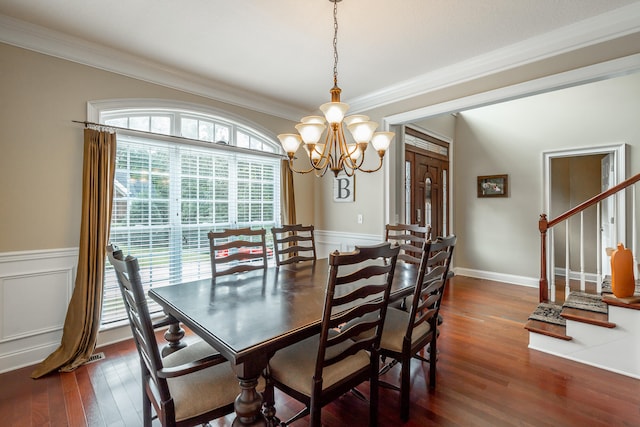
{"points": [[631, 302], [585, 301], [586, 316], [548, 329]]}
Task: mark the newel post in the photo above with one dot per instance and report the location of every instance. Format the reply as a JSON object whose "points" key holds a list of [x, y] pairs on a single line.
{"points": [[544, 283]]}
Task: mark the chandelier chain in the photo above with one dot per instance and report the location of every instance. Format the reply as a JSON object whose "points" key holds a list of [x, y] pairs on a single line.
{"points": [[335, 152], [335, 43]]}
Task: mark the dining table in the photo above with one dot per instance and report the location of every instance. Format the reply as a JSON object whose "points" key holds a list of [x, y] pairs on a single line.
{"points": [[249, 316]]}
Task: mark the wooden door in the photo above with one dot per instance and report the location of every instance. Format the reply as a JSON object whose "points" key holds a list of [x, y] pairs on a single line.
{"points": [[426, 186]]}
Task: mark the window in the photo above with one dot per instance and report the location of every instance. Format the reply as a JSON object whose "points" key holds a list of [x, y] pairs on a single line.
{"points": [[169, 192]]}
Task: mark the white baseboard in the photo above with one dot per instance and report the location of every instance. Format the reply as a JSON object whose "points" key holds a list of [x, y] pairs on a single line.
{"points": [[575, 275], [531, 282]]}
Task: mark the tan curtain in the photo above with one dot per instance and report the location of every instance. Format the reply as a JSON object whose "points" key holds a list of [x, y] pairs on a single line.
{"points": [[288, 198], [83, 314]]}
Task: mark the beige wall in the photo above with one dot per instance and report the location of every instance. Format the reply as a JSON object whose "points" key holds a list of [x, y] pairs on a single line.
{"points": [[41, 149], [501, 235], [41, 156]]}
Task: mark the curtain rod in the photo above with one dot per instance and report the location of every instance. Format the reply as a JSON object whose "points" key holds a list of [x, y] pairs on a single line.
{"points": [[198, 142]]}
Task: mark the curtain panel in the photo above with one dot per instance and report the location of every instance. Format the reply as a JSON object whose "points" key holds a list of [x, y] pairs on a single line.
{"points": [[82, 320]]}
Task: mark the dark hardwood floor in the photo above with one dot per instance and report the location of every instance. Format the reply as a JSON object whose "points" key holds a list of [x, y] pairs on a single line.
{"points": [[486, 377]]}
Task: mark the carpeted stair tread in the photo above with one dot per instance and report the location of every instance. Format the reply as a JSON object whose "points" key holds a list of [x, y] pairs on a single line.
{"points": [[585, 301], [606, 286], [548, 313]]}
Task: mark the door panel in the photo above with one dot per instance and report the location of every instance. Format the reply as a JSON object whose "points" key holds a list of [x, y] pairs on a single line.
{"points": [[426, 184]]}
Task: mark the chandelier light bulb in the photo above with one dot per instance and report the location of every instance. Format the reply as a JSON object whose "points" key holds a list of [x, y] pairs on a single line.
{"points": [[310, 132], [356, 118], [336, 153], [312, 119], [381, 140], [362, 131], [290, 142], [334, 111]]}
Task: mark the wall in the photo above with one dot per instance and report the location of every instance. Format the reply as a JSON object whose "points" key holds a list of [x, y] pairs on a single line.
{"points": [[574, 180], [41, 154], [501, 235]]}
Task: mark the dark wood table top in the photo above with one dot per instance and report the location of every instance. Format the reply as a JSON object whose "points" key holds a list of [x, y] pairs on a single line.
{"points": [[248, 316]]}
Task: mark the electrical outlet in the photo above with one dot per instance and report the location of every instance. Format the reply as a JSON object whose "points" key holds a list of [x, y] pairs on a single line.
{"points": [[359, 218]]}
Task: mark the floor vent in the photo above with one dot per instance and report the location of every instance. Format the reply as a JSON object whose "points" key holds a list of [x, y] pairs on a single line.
{"points": [[95, 357]]}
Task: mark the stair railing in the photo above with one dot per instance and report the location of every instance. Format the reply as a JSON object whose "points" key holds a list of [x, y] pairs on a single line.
{"points": [[544, 225]]}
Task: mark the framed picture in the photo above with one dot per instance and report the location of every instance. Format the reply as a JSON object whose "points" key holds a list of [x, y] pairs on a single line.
{"points": [[493, 186], [344, 188]]}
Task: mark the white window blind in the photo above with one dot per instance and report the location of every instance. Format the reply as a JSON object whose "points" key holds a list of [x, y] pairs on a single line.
{"points": [[169, 195]]}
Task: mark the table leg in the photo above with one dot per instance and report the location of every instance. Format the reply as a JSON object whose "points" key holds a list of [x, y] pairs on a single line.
{"points": [[173, 335], [248, 405]]}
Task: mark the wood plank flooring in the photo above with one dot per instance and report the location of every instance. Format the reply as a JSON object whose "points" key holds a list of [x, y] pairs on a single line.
{"points": [[486, 377]]}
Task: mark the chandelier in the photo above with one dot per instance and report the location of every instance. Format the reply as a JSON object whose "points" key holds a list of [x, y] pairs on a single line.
{"points": [[334, 152]]}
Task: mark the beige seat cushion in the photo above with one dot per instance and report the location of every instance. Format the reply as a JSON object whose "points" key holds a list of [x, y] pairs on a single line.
{"points": [[204, 390], [395, 328], [294, 366]]}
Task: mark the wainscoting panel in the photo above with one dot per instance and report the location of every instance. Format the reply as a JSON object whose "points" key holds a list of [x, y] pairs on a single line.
{"points": [[35, 289], [329, 241]]}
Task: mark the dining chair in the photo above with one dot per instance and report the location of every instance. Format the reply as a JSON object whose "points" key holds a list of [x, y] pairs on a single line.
{"points": [[410, 237], [406, 332], [188, 387], [320, 369], [294, 243], [237, 250]]}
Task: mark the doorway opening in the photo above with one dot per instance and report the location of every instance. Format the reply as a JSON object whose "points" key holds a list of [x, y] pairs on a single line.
{"points": [[570, 178]]}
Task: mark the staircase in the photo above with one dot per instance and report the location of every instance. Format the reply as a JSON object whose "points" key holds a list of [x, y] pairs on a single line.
{"points": [[603, 332], [588, 324]]}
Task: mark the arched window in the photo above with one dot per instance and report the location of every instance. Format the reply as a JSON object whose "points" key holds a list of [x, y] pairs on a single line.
{"points": [[181, 172]]}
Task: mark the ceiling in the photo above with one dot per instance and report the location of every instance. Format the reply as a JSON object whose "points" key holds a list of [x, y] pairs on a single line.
{"points": [[276, 55]]}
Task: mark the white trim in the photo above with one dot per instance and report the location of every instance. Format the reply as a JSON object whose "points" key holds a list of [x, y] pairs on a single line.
{"points": [[607, 26], [566, 79], [530, 282], [575, 275], [37, 255], [329, 241], [617, 149], [49, 42], [96, 107], [431, 133]]}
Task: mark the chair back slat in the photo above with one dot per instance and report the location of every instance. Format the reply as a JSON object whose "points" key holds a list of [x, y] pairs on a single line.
{"points": [[235, 250], [357, 291], [294, 243], [430, 283], [410, 238]]}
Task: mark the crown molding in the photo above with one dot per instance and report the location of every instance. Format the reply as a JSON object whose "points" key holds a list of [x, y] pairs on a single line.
{"points": [[592, 73], [53, 43], [608, 26]]}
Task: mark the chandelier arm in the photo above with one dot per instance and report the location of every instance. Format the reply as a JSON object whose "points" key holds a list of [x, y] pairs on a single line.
{"points": [[293, 169], [347, 161], [325, 157], [335, 152], [372, 170]]}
